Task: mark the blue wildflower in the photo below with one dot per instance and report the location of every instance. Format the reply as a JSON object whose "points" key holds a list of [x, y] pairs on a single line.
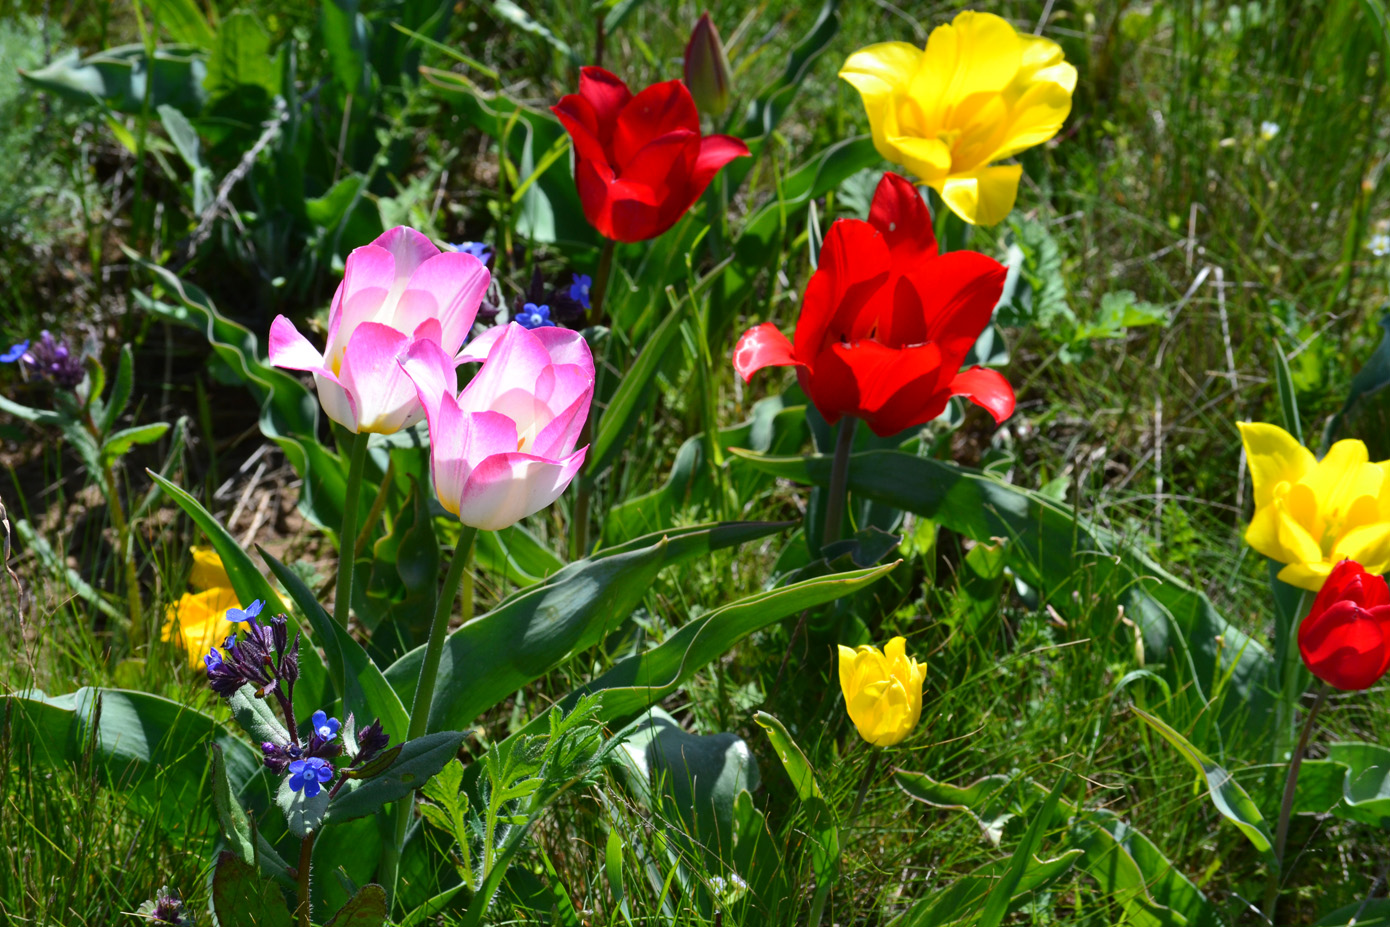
{"points": [[325, 727], [14, 353], [533, 316], [579, 289], [476, 248], [213, 660], [310, 775], [248, 613]]}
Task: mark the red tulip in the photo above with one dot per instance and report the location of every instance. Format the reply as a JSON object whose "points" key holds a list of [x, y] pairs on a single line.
{"points": [[1345, 640], [639, 161], [886, 321]]}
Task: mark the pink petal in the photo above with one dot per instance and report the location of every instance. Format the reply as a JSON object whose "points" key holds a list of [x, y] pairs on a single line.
{"points": [[567, 347], [762, 346], [505, 488], [368, 276], [477, 349], [337, 402], [409, 248], [290, 349], [987, 389], [471, 439], [513, 366], [562, 433], [383, 394], [448, 287]]}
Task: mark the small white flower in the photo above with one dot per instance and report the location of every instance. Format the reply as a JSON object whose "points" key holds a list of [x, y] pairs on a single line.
{"points": [[739, 884], [1268, 130], [718, 884], [1379, 244]]}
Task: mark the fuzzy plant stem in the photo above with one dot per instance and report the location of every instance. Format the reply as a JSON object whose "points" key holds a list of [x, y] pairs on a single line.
{"points": [[347, 537], [1281, 834], [306, 857], [424, 696], [838, 490]]}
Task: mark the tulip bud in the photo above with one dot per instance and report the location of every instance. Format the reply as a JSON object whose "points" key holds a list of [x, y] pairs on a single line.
{"points": [[883, 691], [1345, 638], [707, 68]]}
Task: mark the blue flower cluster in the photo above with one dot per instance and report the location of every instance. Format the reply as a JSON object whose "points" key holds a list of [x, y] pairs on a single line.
{"points": [[49, 359]]}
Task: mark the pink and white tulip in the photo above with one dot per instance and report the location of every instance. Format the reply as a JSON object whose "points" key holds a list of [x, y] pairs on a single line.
{"points": [[504, 448], [397, 291]]}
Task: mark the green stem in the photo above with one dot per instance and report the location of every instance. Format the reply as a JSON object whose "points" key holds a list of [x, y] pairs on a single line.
{"points": [[599, 290], [864, 785], [1291, 679], [306, 857], [839, 480], [424, 696], [135, 606], [347, 537], [1281, 834]]}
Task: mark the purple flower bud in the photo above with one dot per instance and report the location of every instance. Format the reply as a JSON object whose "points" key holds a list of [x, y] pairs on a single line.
{"points": [[52, 360], [371, 740]]}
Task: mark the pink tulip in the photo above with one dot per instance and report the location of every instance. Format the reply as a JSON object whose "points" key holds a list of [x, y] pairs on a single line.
{"points": [[397, 291], [505, 447]]}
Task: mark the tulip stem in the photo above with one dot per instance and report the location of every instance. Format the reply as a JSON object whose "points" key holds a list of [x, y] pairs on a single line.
{"points": [[869, 771], [424, 695], [347, 537], [599, 290], [1281, 834], [838, 490]]}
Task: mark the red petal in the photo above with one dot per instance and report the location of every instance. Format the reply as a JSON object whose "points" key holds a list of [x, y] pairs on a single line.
{"points": [[715, 152], [653, 192], [606, 93], [958, 291], [659, 110], [853, 268], [593, 180], [890, 388], [987, 389], [762, 346], [900, 214], [577, 115]]}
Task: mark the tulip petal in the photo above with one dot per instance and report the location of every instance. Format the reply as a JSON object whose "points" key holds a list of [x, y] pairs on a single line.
{"points": [[383, 395], [652, 192], [975, 53], [369, 275], [448, 287], [505, 488], [1309, 575], [854, 266], [903, 219], [479, 346], [1036, 117], [566, 347], [715, 152], [656, 111], [338, 404], [762, 346], [1337, 469], [1274, 457], [506, 381], [987, 389], [290, 349], [1368, 545], [892, 389], [605, 92], [984, 196], [959, 291], [582, 123]]}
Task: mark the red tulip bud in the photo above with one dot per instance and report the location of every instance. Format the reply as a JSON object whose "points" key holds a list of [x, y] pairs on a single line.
{"points": [[707, 68], [1345, 640]]}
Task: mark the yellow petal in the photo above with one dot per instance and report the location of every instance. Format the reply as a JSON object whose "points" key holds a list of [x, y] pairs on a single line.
{"points": [[207, 572], [1335, 475], [198, 620], [1368, 545], [1034, 118], [1263, 535], [1308, 576], [976, 53], [1293, 521], [1274, 457], [927, 158], [984, 196]]}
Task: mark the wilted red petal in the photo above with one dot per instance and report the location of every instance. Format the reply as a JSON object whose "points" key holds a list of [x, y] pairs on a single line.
{"points": [[987, 389], [762, 346]]}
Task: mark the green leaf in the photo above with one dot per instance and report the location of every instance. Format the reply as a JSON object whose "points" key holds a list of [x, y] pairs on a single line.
{"points": [[1373, 377], [344, 33], [183, 20], [958, 901], [289, 412], [248, 845], [509, 12], [154, 750], [1288, 397], [243, 898], [257, 717], [1051, 548], [125, 378], [311, 691], [241, 61], [303, 812], [419, 760], [369, 696], [635, 389], [117, 77], [766, 110], [1002, 895], [821, 825], [122, 441], [1373, 912], [985, 799], [366, 909], [57, 566], [516, 554], [701, 776], [28, 414], [1232, 801], [533, 630]]}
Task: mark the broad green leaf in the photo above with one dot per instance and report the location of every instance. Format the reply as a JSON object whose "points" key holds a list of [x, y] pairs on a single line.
{"points": [[243, 898], [151, 748], [311, 691], [700, 775], [1129, 868], [1373, 377], [516, 554], [125, 378], [241, 61], [418, 761], [117, 77], [122, 441], [530, 632], [28, 414], [960, 902], [821, 825], [1001, 896], [1051, 548], [289, 412], [985, 799], [1232, 801], [369, 696], [1373, 912], [257, 717], [344, 32], [248, 845], [183, 20], [303, 812], [366, 909]]}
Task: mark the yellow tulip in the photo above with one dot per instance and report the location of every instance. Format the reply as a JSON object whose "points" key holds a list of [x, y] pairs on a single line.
{"points": [[1311, 514], [980, 92], [883, 691], [207, 572], [198, 620]]}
